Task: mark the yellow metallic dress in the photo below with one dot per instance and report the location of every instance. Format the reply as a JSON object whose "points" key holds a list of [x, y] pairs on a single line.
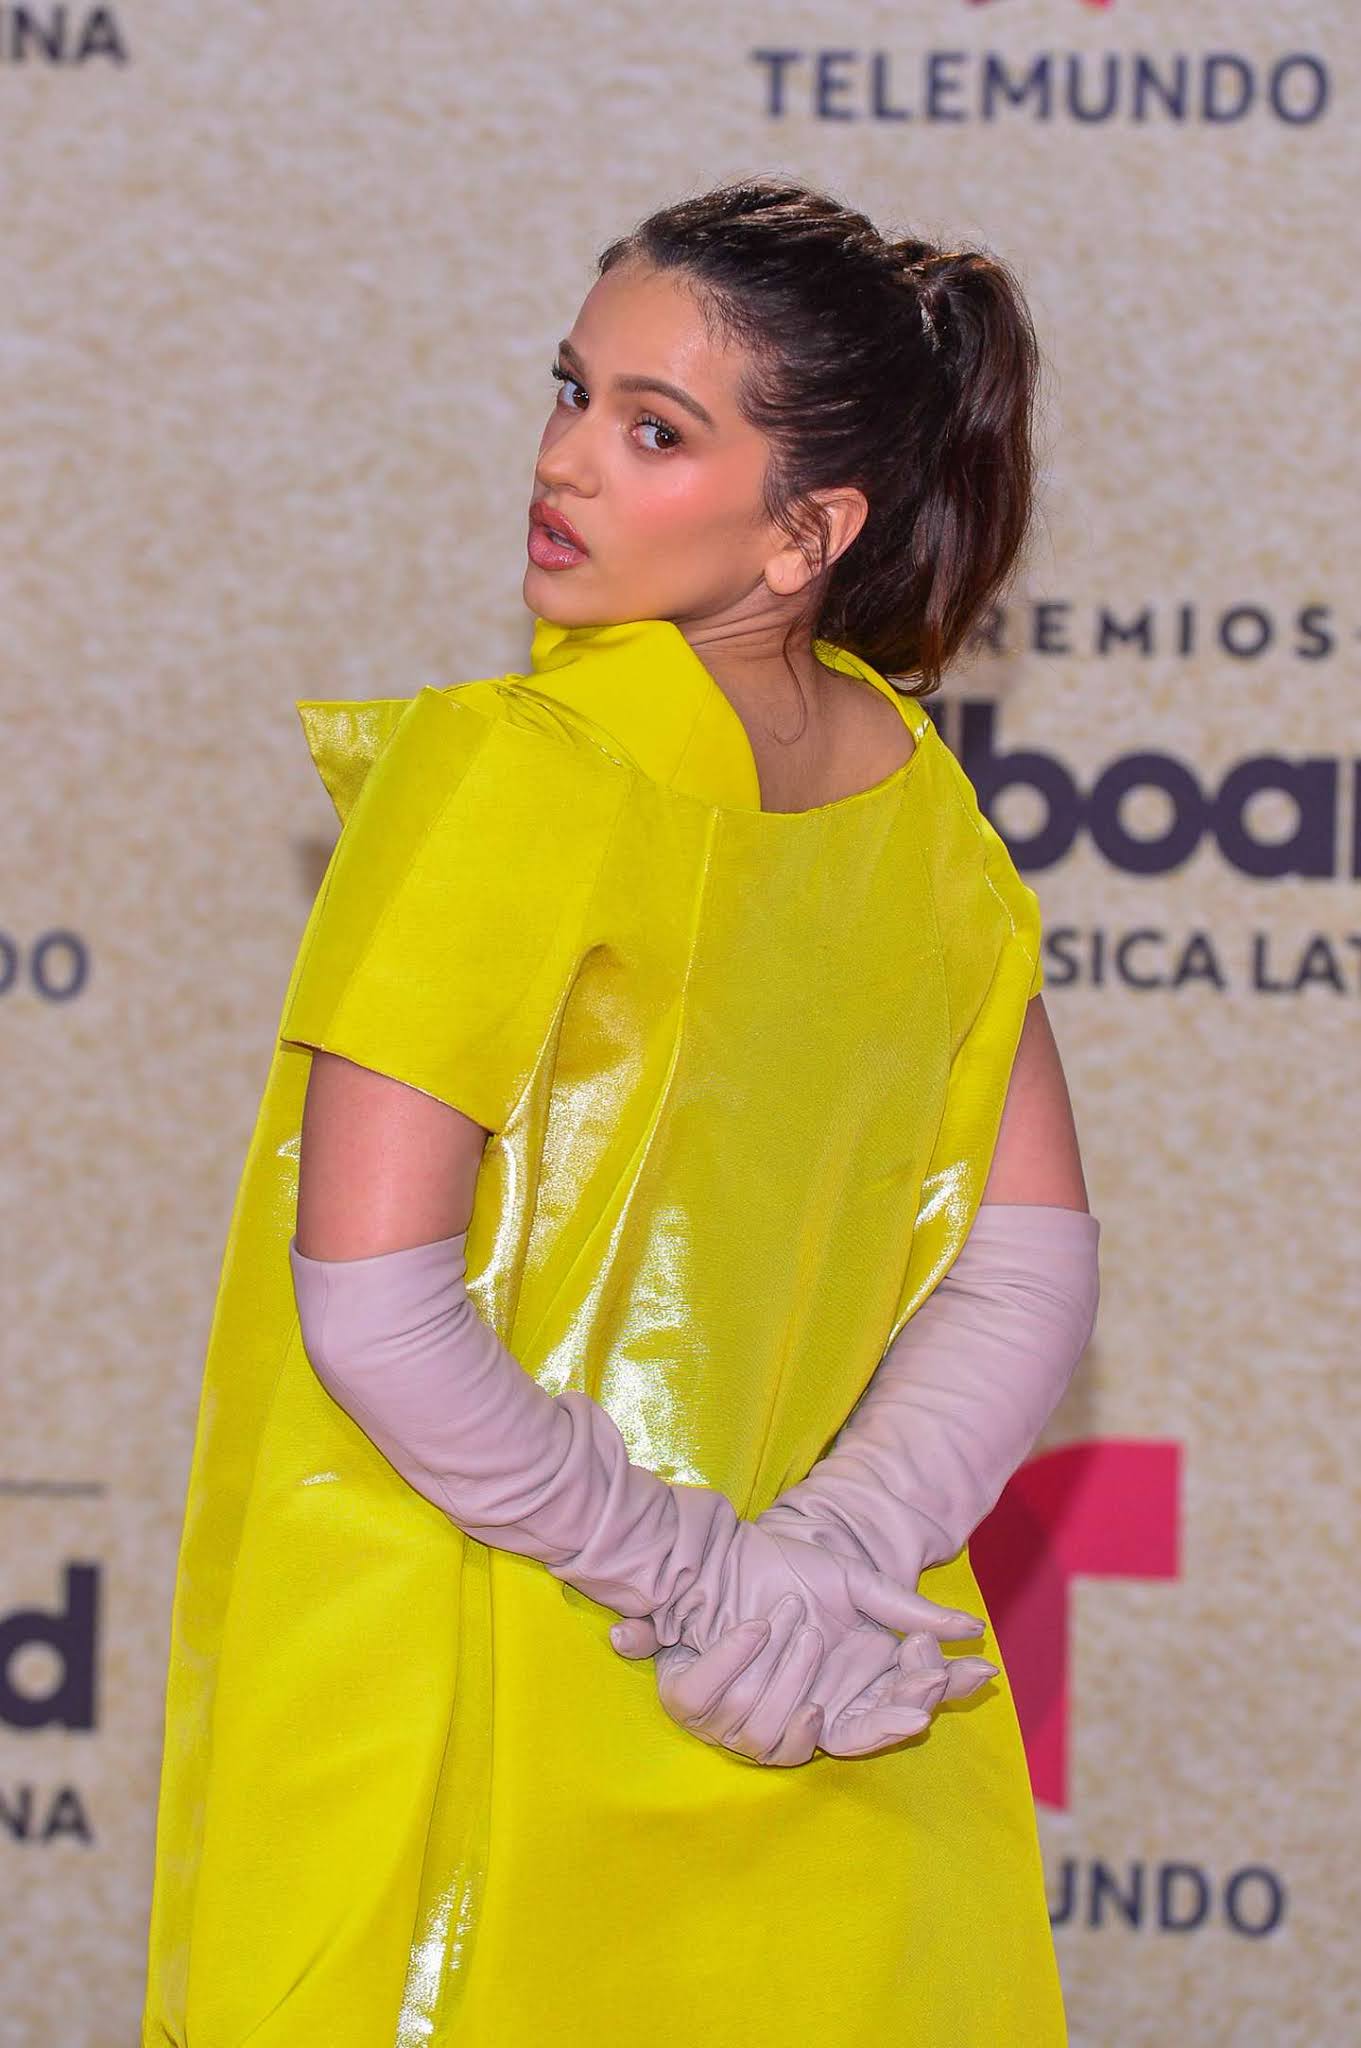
{"points": [[743, 1072]]}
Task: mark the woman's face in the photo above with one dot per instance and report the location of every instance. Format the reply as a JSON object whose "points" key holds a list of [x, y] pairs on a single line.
{"points": [[666, 496]]}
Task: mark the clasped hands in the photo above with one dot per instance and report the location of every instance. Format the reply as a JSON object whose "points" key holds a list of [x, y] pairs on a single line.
{"points": [[818, 1665]]}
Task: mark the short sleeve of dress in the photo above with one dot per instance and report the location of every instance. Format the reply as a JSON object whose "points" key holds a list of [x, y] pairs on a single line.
{"points": [[1019, 903], [447, 927]]}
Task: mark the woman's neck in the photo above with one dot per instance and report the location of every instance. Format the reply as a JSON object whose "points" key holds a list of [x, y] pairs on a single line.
{"points": [[816, 734]]}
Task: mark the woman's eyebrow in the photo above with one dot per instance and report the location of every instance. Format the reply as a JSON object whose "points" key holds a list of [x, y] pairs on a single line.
{"points": [[682, 398]]}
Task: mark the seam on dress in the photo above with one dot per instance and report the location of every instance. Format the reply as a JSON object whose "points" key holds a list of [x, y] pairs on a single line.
{"points": [[973, 816]]}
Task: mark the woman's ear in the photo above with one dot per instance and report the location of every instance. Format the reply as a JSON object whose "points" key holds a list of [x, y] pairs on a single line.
{"points": [[790, 568]]}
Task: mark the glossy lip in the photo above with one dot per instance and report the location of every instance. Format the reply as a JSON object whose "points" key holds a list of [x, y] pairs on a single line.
{"points": [[544, 514]]}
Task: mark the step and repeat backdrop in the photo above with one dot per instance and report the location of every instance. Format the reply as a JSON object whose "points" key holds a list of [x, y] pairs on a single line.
{"points": [[279, 291]]}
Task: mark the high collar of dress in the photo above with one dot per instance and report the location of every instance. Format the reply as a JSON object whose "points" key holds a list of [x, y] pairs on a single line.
{"points": [[647, 690], [640, 687]]}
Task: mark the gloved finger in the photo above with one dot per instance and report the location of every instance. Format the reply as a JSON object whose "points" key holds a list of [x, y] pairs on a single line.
{"points": [[783, 1726], [961, 1675], [851, 1666], [714, 1689], [684, 1694], [762, 1714], [896, 1606], [966, 1674], [860, 1732], [898, 1701], [901, 1703], [800, 1741], [633, 1637]]}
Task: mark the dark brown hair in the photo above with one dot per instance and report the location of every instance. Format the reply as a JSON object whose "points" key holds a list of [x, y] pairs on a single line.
{"points": [[906, 369]]}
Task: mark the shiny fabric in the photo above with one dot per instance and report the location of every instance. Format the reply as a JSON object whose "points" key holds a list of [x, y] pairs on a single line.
{"points": [[743, 1072]]}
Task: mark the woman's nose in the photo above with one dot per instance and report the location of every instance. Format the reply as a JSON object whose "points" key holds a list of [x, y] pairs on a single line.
{"points": [[564, 456], [557, 468]]}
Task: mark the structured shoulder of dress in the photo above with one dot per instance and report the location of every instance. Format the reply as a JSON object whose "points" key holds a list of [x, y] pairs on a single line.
{"points": [[346, 735], [974, 878]]}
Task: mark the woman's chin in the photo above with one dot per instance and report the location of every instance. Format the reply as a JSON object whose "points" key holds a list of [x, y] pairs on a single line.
{"points": [[546, 596]]}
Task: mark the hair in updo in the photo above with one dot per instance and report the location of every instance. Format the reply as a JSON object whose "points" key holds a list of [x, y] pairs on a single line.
{"points": [[903, 368]]}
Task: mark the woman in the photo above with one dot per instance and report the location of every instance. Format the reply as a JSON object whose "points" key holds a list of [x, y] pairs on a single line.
{"points": [[637, 1106]]}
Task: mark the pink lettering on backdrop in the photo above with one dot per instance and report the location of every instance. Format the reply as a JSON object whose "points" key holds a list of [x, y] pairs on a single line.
{"points": [[1108, 1509]]}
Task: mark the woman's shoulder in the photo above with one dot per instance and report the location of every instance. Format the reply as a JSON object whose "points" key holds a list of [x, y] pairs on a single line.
{"points": [[979, 893], [961, 836], [432, 735]]}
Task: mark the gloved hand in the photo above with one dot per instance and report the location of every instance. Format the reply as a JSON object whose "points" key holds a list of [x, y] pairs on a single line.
{"points": [[397, 1342], [956, 1402], [767, 1691]]}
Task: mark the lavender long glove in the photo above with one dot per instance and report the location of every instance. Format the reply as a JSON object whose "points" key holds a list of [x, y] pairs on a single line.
{"points": [[955, 1404], [959, 1397], [397, 1342]]}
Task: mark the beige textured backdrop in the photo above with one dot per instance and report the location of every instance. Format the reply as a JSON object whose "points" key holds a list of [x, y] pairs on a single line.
{"points": [[280, 288]]}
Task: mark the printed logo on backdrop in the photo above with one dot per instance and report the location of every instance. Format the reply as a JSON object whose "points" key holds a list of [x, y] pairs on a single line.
{"points": [[49, 1657], [61, 35], [1105, 1509], [1268, 817], [1087, 86]]}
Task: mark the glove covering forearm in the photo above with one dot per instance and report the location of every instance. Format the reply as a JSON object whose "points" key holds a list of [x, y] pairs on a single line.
{"points": [[959, 1397]]}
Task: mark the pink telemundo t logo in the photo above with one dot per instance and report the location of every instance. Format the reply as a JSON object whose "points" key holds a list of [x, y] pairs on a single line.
{"points": [[1109, 1509]]}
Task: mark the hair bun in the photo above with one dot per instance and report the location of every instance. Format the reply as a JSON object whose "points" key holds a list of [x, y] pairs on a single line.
{"points": [[926, 269]]}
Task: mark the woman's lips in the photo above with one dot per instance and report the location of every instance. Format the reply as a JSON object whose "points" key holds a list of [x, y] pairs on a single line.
{"points": [[553, 540], [547, 553]]}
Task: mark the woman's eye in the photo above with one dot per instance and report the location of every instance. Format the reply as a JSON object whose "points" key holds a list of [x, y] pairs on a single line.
{"points": [[647, 419], [673, 440], [562, 377]]}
